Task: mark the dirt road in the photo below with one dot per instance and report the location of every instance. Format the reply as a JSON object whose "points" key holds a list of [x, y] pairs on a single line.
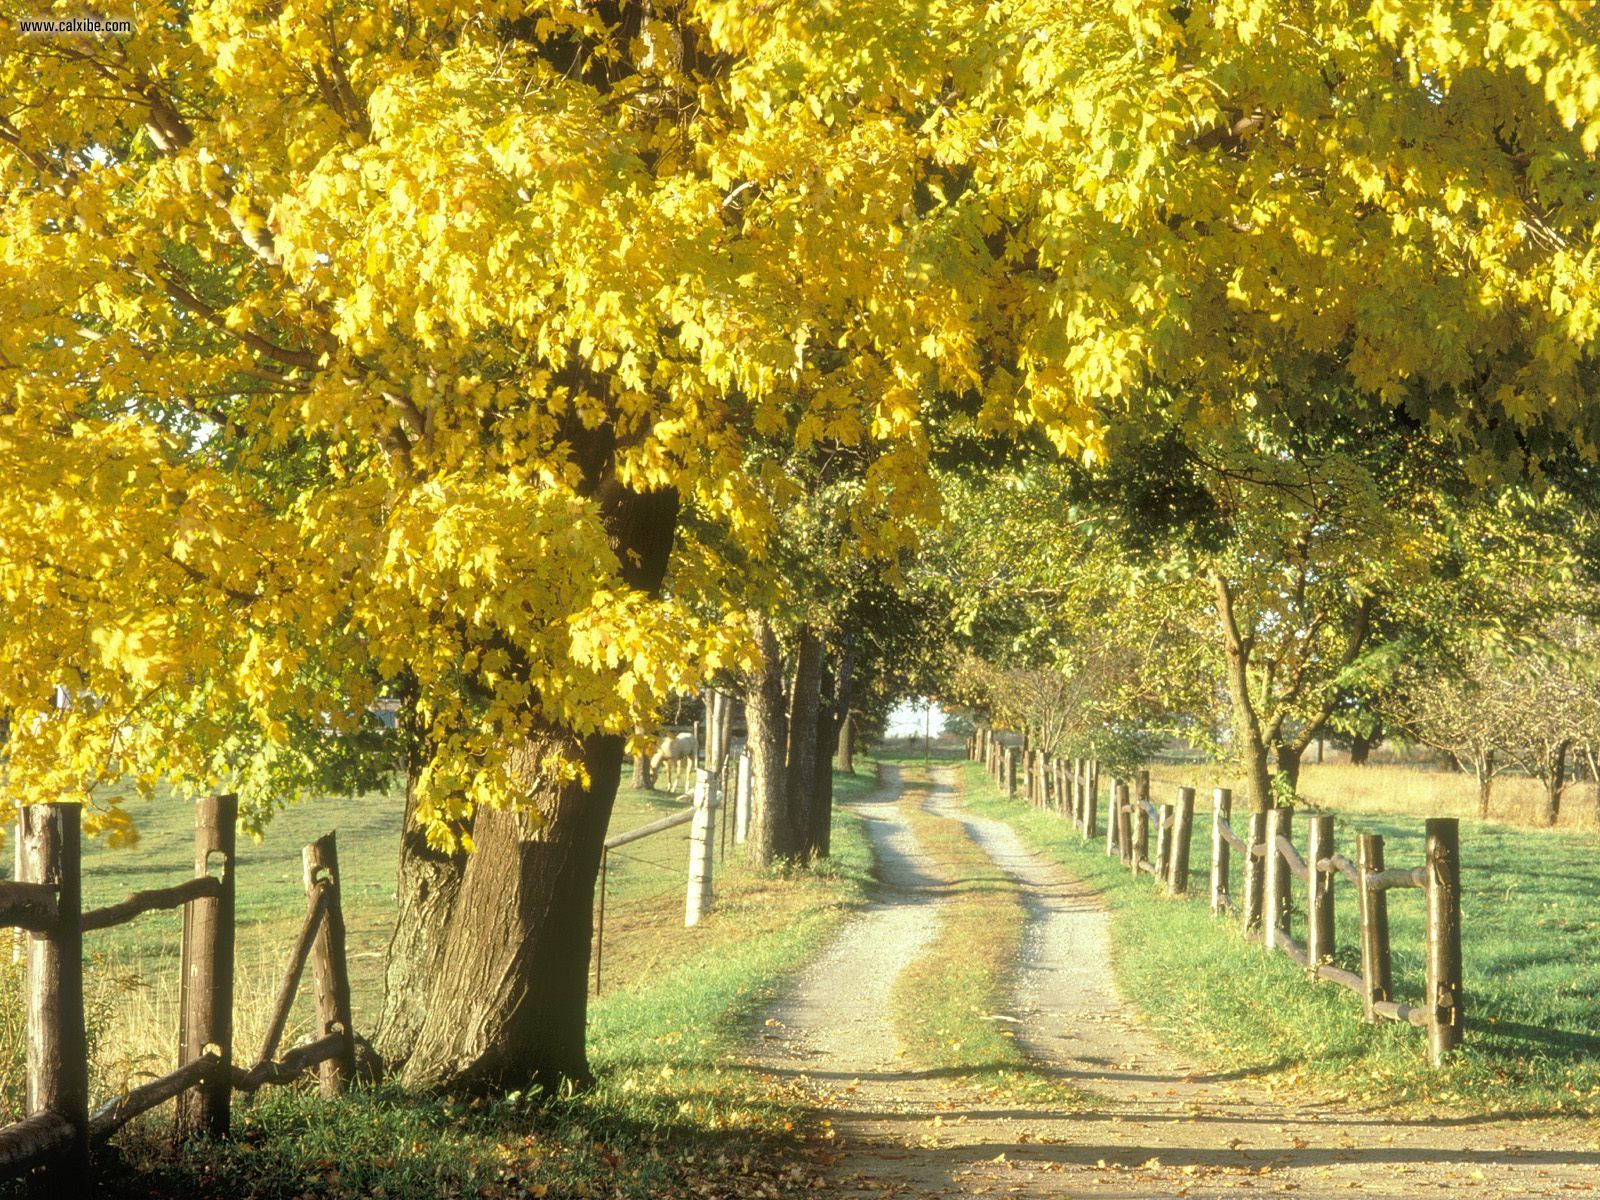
{"points": [[1152, 1125]]}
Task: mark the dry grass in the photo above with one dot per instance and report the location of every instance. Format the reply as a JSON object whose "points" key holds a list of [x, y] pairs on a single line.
{"points": [[1400, 791]]}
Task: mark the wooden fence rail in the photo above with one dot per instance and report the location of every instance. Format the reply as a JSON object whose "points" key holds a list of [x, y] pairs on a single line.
{"points": [[1271, 869], [57, 1134]]}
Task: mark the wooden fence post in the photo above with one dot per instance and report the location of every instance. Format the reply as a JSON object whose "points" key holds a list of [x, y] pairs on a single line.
{"points": [[1182, 834], [329, 968], [1124, 822], [1376, 976], [1255, 869], [1012, 754], [1319, 895], [1443, 883], [1221, 814], [1088, 801], [698, 900], [1163, 859], [1275, 905], [741, 799], [1140, 849], [205, 989], [1092, 786], [58, 1049]]}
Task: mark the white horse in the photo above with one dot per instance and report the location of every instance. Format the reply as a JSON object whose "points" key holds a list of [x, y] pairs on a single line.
{"points": [[677, 751]]}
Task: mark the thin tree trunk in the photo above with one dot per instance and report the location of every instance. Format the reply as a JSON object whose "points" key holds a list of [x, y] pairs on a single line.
{"points": [[766, 734], [1483, 766], [804, 710], [845, 760], [1251, 747], [844, 722], [819, 836], [643, 776], [1556, 782]]}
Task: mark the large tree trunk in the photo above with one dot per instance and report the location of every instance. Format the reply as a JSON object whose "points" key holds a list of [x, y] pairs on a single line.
{"points": [[429, 882], [507, 1007], [805, 707], [488, 978], [766, 734]]}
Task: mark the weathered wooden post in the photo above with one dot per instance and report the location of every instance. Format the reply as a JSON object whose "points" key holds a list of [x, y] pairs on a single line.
{"points": [[205, 989], [1442, 882], [1376, 975], [698, 901], [1255, 870], [1275, 906], [329, 967], [1163, 859], [741, 799], [1319, 894], [58, 1048], [1012, 754], [1124, 822], [1141, 835], [1088, 807], [1221, 818], [1182, 835], [1092, 788]]}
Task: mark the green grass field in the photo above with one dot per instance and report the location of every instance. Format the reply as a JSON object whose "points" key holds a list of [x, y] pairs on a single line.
{"points": [[1531, 950], [670, 1112]]}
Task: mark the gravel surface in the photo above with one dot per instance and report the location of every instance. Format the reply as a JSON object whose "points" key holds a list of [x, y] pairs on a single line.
{"points": [[1155, 1124]]}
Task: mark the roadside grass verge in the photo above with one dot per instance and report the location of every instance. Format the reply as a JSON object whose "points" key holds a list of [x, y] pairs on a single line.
{"points": [[672, 1113], [949, 1006], [1531, 950]]}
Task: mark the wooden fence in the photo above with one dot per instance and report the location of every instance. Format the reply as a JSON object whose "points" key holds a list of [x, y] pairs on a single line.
{"points": [[46, 901], [1270, 867]]}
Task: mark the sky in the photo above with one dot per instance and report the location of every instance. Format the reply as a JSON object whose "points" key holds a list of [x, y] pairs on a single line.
{"points": [[907, 719]]}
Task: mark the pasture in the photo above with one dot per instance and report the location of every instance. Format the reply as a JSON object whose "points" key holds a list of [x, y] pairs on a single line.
{"points": [[1531, 948]]}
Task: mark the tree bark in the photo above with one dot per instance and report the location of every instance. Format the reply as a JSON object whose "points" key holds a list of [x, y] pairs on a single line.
{"points": [[845, 759], [643, 776], [488, 978], [1483, 767], [819, 837], [428, 883], [844, 721], [1556, 781], [801, 774], [508, 1004], [767, 733], [1361, 745], [1289, 756], [1252, 747]]}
